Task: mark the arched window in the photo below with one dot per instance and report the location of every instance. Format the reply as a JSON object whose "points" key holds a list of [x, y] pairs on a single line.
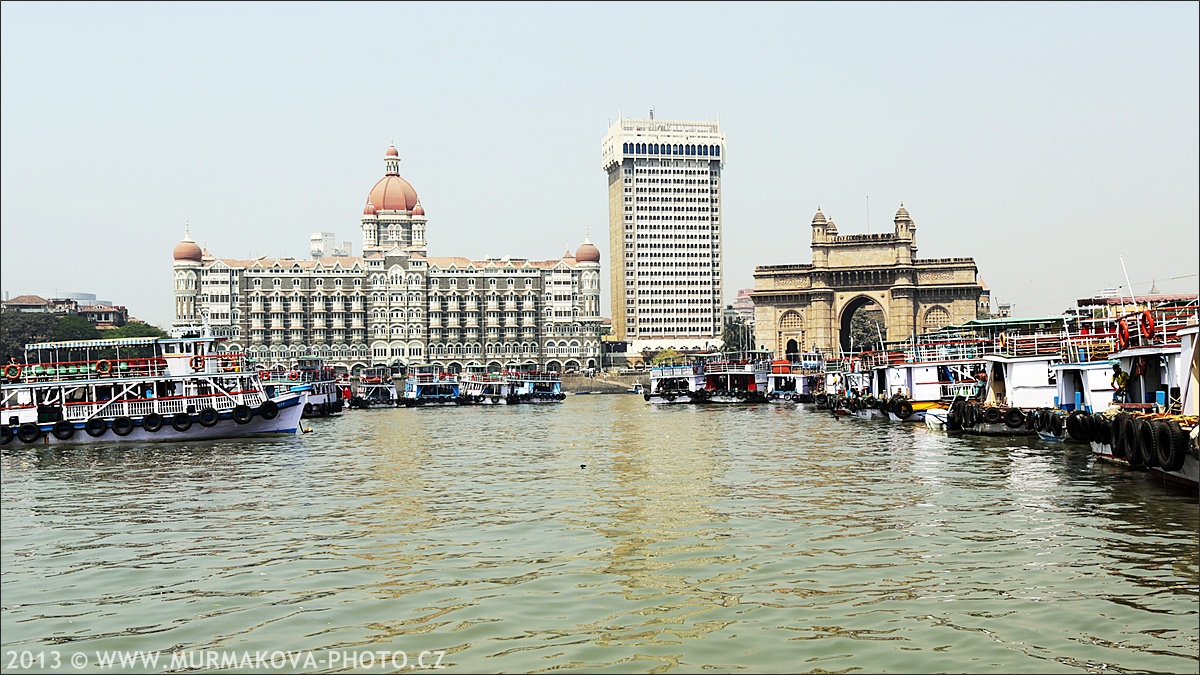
{"points": [[935, 318], [791, 322]]}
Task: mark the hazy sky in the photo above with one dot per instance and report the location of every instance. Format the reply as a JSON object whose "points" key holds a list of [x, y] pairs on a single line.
{"points": [[1045, 140]]}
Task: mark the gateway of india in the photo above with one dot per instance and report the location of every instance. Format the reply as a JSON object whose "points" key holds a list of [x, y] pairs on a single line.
{"points": [[799, 308], [394, 305]]}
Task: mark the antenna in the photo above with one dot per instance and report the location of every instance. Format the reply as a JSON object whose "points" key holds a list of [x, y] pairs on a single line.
{"points": [[1132, 297]]}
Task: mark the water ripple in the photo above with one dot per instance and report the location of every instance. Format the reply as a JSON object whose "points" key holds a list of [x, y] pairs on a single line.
{"points": [[605, 533]]}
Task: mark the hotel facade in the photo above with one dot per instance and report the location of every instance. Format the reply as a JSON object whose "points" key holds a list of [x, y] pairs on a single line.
{"points": [[664, 205], [394, 304]]}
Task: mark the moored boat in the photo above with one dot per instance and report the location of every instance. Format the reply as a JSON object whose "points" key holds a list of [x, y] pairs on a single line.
{"points": [[480, 387], [530, 385], [139, 390], [796, 380], [736, 378], [427, 385], [325, 395], [375, 387]]}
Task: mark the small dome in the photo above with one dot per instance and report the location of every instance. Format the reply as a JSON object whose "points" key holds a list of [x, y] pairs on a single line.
{"points": [[369, 210], [418, 210], [902, 214], [587, 253], [819, 219], [188, 250], [392, 151]]}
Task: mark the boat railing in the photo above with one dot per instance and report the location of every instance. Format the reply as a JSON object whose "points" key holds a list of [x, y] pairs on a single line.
{"points": [[677, 370], [432, 378], [166, 405], [92, 369]]}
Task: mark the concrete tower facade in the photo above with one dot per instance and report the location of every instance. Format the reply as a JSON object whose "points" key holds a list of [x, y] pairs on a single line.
{"points": [[664, 204]]}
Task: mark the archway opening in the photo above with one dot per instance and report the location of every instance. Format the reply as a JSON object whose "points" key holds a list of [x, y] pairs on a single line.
{"points": [[863, 326]]}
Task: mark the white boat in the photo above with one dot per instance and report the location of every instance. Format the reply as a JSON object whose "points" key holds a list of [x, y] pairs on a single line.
{"points": [[427, 385], [375, 387], [480, 387], [796, 380], [924, 375], [529, 385], [136, 390], [678, 381], [736, 378], [1157, 428], [325, 396]]}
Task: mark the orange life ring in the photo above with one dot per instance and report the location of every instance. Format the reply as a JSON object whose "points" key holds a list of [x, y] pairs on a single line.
{"points": [[197, 363], [12, 371], [103, 367], [1147, 325], [293, 376], [1122, 334]]}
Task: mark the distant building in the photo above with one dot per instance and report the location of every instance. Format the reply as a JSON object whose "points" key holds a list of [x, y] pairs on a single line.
{"points": [[394, 304], [105, 317], [744, 305], [322, 245], [664, 232], [29, 304], [802, 306]]}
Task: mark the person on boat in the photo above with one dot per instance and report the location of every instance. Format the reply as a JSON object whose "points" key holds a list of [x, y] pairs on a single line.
{"points": [[1120, 384]]}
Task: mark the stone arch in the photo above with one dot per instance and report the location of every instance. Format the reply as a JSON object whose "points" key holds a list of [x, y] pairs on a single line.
{"points": [[846, 313], [789, 338]]}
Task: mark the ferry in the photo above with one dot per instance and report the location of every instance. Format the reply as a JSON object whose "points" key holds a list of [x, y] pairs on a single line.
{"points": [[919, 378], [325, 397], [797, 379], [1156, 428], [137, 390], [480, 387], [427, 385], [736, 378], [529, 385], [376, 387], [679, 380]]}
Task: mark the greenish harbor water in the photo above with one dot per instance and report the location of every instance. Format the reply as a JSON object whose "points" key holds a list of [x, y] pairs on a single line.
{"points": [[601, 534]]}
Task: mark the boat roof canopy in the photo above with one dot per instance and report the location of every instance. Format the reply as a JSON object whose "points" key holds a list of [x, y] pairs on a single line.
{"points": [[89, 344]]}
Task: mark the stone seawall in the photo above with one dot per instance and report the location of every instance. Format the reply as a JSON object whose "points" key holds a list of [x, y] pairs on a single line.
{"points": [[603, 383]]}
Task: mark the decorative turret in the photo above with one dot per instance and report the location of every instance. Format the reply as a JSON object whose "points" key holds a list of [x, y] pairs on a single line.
{"points": [[906, 231], [188, 260]]}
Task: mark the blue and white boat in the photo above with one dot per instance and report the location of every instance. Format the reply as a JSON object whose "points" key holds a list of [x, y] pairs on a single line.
{"points": [[427, 385]]}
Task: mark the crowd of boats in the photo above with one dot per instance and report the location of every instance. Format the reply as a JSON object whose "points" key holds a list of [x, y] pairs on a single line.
{"points": [[1123, 384], [191, 388]]}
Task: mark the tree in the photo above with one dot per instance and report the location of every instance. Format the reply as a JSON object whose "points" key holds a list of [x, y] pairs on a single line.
{"points": [[737, 335], [133, 329], [18, 329], [865, 328], [663, 356], [72, 327]]}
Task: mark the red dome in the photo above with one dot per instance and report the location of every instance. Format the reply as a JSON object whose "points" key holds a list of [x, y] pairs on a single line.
{"points": [[369, 209], [392, 151], [587, 253], [393, 193], [418, 210], [188, 250]]}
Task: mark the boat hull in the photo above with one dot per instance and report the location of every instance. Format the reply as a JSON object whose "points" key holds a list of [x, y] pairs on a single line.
{"points": [[285, 423]]}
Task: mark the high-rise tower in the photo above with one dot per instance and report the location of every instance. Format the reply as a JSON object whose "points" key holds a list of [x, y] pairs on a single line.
{"points": [[664, 225]]}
